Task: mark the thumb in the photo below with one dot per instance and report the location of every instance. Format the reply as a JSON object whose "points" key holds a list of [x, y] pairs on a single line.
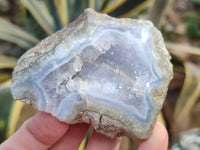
{"points": [[158, 139]]}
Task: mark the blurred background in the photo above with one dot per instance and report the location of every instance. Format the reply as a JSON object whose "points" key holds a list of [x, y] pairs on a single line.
{"points": [[23, 23]]}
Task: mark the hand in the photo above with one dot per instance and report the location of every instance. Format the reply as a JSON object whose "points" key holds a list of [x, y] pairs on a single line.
{"points": [[44, 131]]}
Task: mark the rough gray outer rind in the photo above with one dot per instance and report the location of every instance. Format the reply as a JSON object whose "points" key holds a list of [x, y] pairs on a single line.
{"points": [[103, 124]]}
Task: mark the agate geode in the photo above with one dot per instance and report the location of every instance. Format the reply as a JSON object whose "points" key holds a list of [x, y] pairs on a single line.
{"points": [[112, 73]]}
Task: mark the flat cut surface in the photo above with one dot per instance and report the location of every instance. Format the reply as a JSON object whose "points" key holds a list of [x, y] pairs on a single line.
{"points": [[110, 72]]}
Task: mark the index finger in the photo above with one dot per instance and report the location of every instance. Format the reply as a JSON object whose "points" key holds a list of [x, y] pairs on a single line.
{"points": [[39, 132]]}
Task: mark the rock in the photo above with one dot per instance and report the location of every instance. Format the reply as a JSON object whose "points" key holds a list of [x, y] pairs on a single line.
{"points": [[188, 140], [112, 73]]}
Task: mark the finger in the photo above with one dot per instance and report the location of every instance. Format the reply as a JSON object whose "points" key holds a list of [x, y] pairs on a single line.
{"points": [[99, 142], [39, 132], [158, 139], [72, 139]]}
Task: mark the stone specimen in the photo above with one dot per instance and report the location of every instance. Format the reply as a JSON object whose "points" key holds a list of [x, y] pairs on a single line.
{"points": [[112, 73], [188, 140]]}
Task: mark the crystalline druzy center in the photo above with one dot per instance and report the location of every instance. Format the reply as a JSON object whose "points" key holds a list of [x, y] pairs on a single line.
{"points": [[122, 77]]}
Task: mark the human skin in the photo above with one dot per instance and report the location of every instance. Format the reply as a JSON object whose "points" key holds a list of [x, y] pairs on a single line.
{"points": [[43, 131]]}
